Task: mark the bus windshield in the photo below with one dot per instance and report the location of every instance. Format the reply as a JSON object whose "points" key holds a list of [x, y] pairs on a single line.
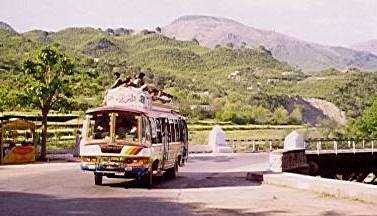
{"points": [[99, 126], [127, 127]]}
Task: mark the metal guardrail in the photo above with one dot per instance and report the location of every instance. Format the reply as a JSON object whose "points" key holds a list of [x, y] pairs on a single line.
{"points": [[320, 145], [255, 145], [344, 145]]}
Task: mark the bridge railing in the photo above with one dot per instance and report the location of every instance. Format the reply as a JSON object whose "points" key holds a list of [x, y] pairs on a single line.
{"points": [[255, 145], [337, 145], [318, 144]]}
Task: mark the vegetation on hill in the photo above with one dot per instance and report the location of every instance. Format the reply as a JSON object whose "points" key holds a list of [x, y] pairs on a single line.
{"points": [[245, 86]]}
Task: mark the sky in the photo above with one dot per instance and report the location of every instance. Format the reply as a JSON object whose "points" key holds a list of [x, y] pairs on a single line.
{"points": [[328, 22]]}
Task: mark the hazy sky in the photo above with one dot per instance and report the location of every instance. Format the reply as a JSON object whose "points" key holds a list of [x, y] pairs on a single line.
{"points": [[332, 22]]}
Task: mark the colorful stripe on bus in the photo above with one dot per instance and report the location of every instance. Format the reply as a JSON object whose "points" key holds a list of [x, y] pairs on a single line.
{"points": [[132, 150]]}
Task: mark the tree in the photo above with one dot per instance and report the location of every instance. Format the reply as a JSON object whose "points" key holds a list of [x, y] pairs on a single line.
{"points": [[281, 116], [366, 125], [48, 86], [243, 44], [230, 45], [195, 41], [264, 49], [296, 116], [158, 30]]}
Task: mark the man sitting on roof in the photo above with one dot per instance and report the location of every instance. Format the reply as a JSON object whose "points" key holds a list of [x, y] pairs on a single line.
{"points": [[118, 82], [139, 81]]}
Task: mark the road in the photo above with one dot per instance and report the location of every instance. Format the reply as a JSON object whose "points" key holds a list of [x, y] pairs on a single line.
{"points": [[207, 185]]}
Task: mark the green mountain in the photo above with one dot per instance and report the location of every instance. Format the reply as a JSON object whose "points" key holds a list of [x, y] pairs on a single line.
{"points": [[242, 85]]}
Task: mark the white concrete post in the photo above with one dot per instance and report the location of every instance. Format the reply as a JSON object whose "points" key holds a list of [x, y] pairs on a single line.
{"points": [[372, 146], [336, 147], [270, 145]]}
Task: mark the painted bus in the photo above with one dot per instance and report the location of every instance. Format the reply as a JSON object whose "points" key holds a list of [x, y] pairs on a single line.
{"points": [[133, 136]]}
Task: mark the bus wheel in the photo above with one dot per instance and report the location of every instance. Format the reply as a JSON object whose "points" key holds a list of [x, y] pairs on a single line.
{"points": [[172, 173], [98, 178], [147, 180]]}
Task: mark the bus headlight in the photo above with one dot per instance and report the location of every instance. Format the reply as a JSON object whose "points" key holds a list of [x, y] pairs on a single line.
{"points": [[88, 159], [145, 152], [137, 161]]}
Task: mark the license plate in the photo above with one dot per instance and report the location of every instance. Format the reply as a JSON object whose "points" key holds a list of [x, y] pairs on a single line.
{"points": [[128, 168]]}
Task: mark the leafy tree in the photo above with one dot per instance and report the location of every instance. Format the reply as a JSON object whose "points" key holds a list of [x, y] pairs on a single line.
{"points": [[243, 44], [48, 86], [366, 125], [230, 45], [110, 31], [357, 94], [264, 49], [296, 116], [195, 41], [281, 116]]}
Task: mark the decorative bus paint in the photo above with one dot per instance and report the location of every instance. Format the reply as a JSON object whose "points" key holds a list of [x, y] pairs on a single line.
{"points": [[133, 137]]}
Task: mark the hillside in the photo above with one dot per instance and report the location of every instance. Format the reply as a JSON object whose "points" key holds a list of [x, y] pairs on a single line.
{"points": [[213, 31], [368, 46], [7, 27], [241, 85]]}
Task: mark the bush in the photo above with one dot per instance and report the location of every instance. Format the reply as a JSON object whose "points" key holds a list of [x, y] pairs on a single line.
{"points": [[366, 125], [280, 116]]}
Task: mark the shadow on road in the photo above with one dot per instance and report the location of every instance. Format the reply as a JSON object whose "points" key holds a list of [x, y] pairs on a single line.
{"points": [[15, 203], [193, 180]]}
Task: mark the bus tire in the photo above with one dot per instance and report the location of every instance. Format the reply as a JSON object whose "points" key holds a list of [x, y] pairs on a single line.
{"points": [[147, 180], [172, 173], [98, 178]]}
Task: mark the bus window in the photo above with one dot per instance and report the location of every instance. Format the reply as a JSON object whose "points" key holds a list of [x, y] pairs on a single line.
{"points": [[153, 127], [159, 131], [177, 131], [171, 130], [163, 133], [127, 127], [99, 126]]}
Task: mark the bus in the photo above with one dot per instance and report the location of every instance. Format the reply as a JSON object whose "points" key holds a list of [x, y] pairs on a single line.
{"points": [[133, 135]]}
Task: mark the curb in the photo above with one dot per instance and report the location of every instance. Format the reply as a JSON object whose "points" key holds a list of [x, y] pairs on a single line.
{"points": [[337, 188]]}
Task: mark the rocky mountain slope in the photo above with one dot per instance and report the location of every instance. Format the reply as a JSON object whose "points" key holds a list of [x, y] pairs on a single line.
{"points": [[368, 46], [213, 31], [5, 26]]}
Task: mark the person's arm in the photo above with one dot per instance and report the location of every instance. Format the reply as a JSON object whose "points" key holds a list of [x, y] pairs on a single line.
{"points": [[117, 83]]}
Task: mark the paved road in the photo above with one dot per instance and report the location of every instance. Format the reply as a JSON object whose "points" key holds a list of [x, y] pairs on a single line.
{"points": [[207, 185]]}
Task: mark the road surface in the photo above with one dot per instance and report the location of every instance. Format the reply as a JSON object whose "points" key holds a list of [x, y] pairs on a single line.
{"points": [[207, 185]]}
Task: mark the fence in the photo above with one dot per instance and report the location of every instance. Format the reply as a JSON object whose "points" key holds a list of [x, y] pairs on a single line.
{"points": [[318, 144], [255, 145], [341, 144]]}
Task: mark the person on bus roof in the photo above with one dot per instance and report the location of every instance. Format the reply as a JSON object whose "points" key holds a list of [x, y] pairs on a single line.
{"points": [[128, 82], [139, 80], [118, 81]]}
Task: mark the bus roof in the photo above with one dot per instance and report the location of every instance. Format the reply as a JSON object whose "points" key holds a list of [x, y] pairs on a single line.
{"points": [[155, 111]]}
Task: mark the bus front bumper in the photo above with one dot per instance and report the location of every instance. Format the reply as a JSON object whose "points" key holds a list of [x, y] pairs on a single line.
{"points": [[114, 169]]}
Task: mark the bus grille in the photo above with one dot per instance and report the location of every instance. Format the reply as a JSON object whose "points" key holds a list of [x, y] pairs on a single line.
{"points": [[111, 148]]}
